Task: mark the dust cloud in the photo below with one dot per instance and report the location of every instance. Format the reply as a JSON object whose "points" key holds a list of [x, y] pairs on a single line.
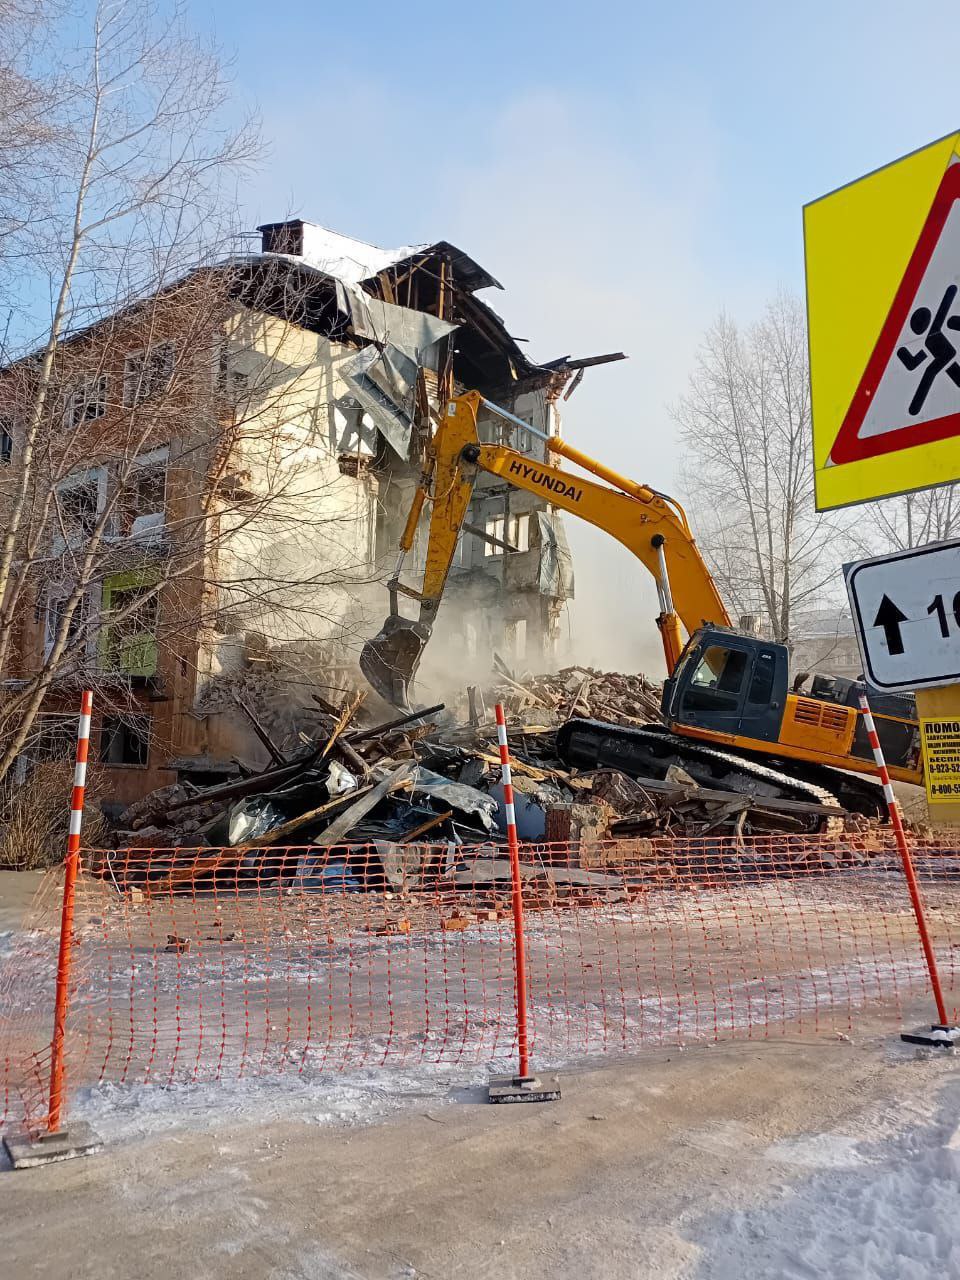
{"points": [[612, 619]]}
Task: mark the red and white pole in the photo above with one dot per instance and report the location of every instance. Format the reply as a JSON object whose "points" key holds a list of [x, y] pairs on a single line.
{"points": [[896, 821], [71, 868], [513, 844]]}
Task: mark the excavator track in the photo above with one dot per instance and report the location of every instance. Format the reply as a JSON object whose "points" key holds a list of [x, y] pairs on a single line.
{"points": [[595, 744], [855, 794]]}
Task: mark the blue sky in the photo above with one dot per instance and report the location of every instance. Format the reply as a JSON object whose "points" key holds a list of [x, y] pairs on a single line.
{"points": [[625, 169]]}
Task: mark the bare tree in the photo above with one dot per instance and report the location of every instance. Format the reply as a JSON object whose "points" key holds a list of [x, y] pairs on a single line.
{"points": [[29, 128], [156, 367], [745, 424], [931, 515]]}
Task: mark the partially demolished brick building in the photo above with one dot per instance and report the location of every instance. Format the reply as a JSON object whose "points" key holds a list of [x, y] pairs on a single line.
{"points": [[360, 348]]}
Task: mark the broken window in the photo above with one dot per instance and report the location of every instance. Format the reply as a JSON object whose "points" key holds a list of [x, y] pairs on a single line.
{"points": [[125, 740], [144, 497], [351, 430], [149, 490], [53, 617], [518, 533], [131, 611], [85, 401], [516, 639], [80, 500], [520, 530], [493, 529], [500, 431], [555, 572], [147, 373]]}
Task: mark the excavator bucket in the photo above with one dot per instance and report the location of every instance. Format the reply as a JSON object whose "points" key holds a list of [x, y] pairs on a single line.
{"points": [[390, 659]]}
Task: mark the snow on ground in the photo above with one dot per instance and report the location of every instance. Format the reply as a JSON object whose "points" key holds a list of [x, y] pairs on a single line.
{"points": [[878, 1203], [122, 1112], [362, 1019]]}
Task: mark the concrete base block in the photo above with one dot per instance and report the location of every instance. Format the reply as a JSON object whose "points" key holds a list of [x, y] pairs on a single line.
{"points": [[938, 1037], [523, 1089], [26, 1152]]}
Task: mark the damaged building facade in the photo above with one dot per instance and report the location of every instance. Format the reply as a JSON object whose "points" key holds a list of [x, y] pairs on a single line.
{"points": [[258, 550], [426, 336]]}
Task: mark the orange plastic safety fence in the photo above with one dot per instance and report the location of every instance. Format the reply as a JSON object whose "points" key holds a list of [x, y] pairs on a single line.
{"points": [[228, 963]]}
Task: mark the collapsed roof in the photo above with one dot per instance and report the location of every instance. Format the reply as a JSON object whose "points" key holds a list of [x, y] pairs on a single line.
{"points": [[354, 261], [438, 279]]}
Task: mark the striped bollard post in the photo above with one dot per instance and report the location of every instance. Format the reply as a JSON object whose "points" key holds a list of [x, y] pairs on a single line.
{"points": [[522, 1087], [57, 1141], [941, 1034], [71, 867]]}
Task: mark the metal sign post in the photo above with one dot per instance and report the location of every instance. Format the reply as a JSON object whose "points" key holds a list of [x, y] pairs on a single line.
{"points": [[59, 1141], [941, 1034]]}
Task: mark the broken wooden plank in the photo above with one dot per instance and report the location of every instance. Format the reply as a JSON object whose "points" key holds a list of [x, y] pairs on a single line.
{"points": [[342, 825], [539, 699], [259, 730], [346, 715], [520, 766], [294, 824], [265, 781], [351, 758], [361, 735], [581, 693], [424, 827]]}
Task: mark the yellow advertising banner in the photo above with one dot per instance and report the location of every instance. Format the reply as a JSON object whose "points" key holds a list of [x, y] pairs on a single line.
{"points": [[940, 741]]}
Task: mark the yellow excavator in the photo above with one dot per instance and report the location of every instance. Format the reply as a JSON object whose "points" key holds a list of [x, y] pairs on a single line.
{"points": [[731, 715]]}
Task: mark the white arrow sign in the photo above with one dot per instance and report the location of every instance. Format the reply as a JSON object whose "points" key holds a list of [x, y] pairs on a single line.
{"points": [[906, 612]]}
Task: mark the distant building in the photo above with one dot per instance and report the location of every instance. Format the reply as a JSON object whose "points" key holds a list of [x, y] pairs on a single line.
{"points": [[825, 641]]}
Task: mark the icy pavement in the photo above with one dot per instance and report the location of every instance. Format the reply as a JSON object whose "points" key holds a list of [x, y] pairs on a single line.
{"points": [[123, 1112], [879, 1204]]}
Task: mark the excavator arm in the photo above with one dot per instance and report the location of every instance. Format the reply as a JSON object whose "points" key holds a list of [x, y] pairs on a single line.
{"points": [[648, 523]]}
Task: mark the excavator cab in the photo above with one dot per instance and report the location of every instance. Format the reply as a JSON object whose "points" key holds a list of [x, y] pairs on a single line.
{"points": [[730, 684], [736, 689]]}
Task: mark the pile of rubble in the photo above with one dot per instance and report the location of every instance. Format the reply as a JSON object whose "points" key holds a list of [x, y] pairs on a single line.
{"points": [[420, 795], [346, 782], [583, 691]]}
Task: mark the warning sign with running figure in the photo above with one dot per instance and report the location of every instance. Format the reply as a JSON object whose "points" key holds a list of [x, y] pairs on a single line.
{"points": [[883, 287]]}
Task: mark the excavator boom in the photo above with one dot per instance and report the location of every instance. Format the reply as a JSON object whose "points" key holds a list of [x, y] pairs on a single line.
{"points": [[651, 525]]}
